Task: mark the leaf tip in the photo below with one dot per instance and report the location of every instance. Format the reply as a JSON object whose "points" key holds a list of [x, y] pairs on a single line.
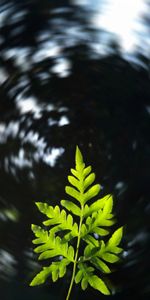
{"points": [[31, 283], [37, 204], [34, 281], [33, 227], [119, 231], [62, 202], [78, 156]]}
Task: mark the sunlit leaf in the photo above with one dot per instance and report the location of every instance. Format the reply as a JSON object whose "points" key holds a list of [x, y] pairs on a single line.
{"points": [[42, 276], [79, 159], [98, 284], [92, 192], [84, 283], [75, 182], [78, 276], [71, 207], [115, 238], [98, 263], [72, 192], [89, 180], [82, 219]]}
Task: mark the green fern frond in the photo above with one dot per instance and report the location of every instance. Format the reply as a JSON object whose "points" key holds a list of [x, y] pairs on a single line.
{"points": [[93, 220]]}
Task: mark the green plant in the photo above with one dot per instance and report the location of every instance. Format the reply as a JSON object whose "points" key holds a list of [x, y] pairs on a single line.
{"points": [[92, 255]]}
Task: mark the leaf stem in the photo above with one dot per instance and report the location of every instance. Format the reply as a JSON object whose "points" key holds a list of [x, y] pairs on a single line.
{"points": [[76, 256]]}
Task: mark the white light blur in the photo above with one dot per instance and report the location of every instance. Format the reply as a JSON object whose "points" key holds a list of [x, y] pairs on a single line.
{"points": [[121, 18], [51, 158], [28, 105]]}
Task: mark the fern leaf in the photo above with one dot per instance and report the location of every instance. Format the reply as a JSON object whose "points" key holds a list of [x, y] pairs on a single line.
{"points": [[108, 206], [98, 284], [59, 269], [73, 192], [115, 238], [41, 277], [94, 207], [99, 264], [62, 267], [89, 239], [109, 257], [75, 173], [84, 283], [55, 270], [53, 247], [57, 251], [41, 234], [89, 180], [100, 218], [67, 225], [83, 274], [75, 182], [58, 218], [71, 207], [78, 276], [100, 252], [92, 192], [86, 276], [79, 159], [87, 171], [93, 224], [51, 212], [101, 231], [81, 219]]}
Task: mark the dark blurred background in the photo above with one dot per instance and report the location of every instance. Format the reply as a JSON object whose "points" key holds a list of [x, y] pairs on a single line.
{"points": [[73, 72]]}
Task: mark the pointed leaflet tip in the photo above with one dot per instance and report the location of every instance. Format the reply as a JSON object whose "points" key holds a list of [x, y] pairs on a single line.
{"points": [[98, 284], [33, 227], [78, 156]]}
